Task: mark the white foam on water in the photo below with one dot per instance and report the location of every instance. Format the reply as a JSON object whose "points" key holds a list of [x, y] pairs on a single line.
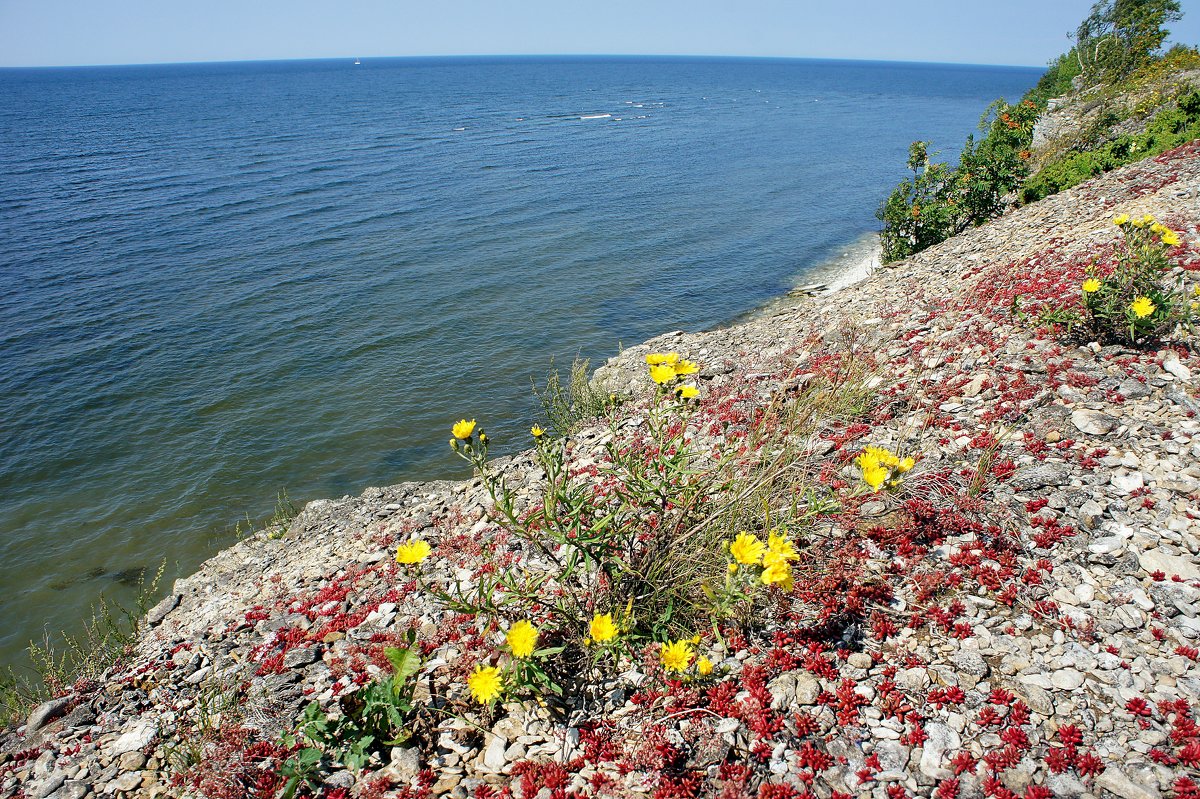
{"points": [[852, 265]]}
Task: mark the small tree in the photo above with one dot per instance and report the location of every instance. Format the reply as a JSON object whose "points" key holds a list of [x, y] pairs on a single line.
{"points": [[1121, 35], [940, 200], [916, 214]]}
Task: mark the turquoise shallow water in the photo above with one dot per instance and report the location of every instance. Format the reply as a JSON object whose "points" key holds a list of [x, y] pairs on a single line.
{"points": [[221, 281]]}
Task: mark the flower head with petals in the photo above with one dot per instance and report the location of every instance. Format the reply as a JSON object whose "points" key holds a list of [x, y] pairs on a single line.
{"points": [[777, 571], [677, 655], [485, 684], [747, 549], [1142, 307], [781, 546], [522, 638], [662, 374], [413, 551], [602, 628]]}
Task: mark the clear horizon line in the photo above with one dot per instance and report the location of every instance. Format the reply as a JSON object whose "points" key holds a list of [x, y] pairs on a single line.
{"points": [[519, 55]]}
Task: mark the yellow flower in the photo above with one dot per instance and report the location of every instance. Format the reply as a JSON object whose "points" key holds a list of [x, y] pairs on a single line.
{"points": [[747, 549], [662, 374], [1138, 223], [686, 368], [687, 392], [704, 666], [781, 546], [1158, 229], [661, 358], [676, 656], [1090, 285], [412, 552], [777, 571], [905, 464], [875, 475], [522, 638], [536, 431], [877, 455], [602, 628], [1121, 220], [463, 429], [485, 684], [1170, 238], [1142, 307]]}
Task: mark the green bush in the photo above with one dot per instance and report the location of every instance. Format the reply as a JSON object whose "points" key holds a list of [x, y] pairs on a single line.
{"points": [[1117, 46], [940, 201]]}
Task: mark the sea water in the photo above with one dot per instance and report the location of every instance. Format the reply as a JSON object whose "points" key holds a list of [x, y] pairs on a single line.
{"points": [[223, 281]]}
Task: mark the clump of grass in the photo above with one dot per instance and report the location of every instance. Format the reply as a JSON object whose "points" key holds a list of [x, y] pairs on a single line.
{"points": [[566, 406], [275, 526], [72, 659], [686, 527]]}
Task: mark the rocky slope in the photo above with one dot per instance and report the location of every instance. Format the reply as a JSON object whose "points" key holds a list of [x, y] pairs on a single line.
{"points": [[1019, 618], [1079, 121]]}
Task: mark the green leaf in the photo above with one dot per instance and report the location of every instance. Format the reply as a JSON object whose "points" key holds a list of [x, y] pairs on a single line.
{"points": [[400, 739], [406, 662]]}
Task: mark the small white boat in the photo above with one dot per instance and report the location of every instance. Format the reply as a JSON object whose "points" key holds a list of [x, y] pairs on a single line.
{"points": [[357, 63]]}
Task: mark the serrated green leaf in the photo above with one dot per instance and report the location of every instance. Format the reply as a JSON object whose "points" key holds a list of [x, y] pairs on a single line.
{"points": [[405, 662]]}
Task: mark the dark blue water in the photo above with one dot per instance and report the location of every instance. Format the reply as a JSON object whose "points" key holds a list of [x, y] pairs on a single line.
{"points": [[220, 281]]}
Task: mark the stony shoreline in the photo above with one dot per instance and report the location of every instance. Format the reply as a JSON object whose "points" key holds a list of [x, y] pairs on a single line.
{"points": [[1063, 662]]}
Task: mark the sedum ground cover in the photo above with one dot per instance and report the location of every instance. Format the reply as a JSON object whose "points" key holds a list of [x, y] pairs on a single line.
{"points": [[907, 540]]}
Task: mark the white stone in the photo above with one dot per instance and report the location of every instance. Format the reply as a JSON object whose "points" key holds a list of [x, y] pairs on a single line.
{"points": [[1127, 482], [727, 725], [1093, 422], [1040, 680], [1172, 364], [493, 754], [137, 736], [1066, 679], [1117, 783], [942, 739], [1153, 560]]}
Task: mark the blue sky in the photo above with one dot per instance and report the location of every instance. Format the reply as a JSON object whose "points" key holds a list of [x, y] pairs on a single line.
{"points": [[72, 32]]}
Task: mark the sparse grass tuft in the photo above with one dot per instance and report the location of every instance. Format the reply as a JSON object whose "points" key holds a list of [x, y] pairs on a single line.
{"points": [[566, 407], [85, 657], [275, 526]]}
